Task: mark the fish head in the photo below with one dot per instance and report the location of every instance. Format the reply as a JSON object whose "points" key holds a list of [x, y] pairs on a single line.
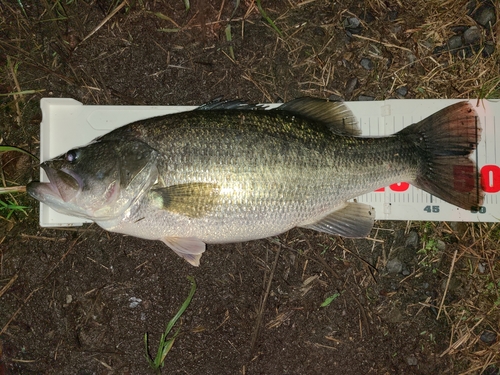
{"points": [[99, 181]]}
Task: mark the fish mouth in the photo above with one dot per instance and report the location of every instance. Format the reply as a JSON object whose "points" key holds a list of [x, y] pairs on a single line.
{"points": [[63, 185]]}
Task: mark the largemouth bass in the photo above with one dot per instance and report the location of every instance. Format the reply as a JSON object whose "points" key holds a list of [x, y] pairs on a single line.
{"points": [[232, 172]]}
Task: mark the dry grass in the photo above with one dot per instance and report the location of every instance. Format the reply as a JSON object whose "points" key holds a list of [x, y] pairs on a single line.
{"points": [[478, 310], [471, 306], [403, 51]]}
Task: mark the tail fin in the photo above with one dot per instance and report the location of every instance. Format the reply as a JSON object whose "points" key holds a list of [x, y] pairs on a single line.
{"points": [[447, 138]]}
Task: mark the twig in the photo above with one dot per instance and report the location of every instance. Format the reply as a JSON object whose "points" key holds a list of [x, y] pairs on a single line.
{"points": [[390, 45], [6, 326], [263, 303], [103, 22], [18, 87], [9, 284], [447, 283]]}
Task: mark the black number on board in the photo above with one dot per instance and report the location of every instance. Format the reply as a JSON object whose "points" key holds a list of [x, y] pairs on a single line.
{"points": [[481, 210], [431, 209]]}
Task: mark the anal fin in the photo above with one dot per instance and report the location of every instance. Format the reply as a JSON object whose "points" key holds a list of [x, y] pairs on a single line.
{"points": [[353, 220], [191, 249]]}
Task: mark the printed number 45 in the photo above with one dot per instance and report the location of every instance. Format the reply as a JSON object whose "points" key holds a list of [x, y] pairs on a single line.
{"points": [[435, 209], [430, 209]]}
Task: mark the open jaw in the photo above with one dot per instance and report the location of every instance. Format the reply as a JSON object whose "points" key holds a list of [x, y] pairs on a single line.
{"points": [[63, 185]]}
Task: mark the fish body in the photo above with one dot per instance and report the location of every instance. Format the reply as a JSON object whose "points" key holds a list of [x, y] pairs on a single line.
{"points": [[229, 172]]}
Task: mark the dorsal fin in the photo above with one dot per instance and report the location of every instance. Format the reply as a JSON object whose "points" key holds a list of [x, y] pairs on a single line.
{"points": [[222, 104], [335, 115]]}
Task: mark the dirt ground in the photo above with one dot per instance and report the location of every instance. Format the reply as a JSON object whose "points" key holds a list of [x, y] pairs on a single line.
{"points": [[79, 300]]}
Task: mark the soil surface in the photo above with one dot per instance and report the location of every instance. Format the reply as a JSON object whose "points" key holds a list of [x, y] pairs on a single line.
{"points": [[79, 300]]}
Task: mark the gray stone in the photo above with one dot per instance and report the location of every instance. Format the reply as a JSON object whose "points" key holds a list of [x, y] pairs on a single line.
{"points": [[412, 240], [351, 85], [351, 23], [488, 337], [394, 266], [481, 267], [485, 16], [455, 42], [412, 58], [367, 63], [472, 35], [411, 360], [402, 91], [440, 245], [489, 49]]}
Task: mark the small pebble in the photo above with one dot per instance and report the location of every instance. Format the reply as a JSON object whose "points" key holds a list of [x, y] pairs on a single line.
{"points": [[411, 360], [69, 299], [489, 49], [405, 272], [134, 302], [365, 98], [488, 337], [402, 91], [351, 85], [412, 58], [485, 16], [353, 26], [481, 267], [367, 63], [455, 42], [412, 240], [351, 23], [472, 35], [394, 266], [440, 245]]}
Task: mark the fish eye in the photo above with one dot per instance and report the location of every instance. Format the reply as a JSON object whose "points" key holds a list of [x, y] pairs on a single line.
{"points": [[72, 156]]}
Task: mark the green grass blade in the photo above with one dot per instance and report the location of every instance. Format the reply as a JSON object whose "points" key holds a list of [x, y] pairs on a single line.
{"points": [[269, 20], [183, 307], [165, 344], [12, 148]]}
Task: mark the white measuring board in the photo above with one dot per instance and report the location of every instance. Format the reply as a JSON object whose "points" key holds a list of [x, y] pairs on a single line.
{"points": [[67, 123]]}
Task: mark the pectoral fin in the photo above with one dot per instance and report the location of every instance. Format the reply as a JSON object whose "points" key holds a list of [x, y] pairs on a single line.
{"points": [[191, 200], [352, 220], [191, 249]]}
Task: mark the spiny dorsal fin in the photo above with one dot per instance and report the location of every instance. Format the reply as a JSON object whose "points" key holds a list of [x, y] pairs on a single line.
{"points": [[192, 200], [335, 115], [222, 104]]}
